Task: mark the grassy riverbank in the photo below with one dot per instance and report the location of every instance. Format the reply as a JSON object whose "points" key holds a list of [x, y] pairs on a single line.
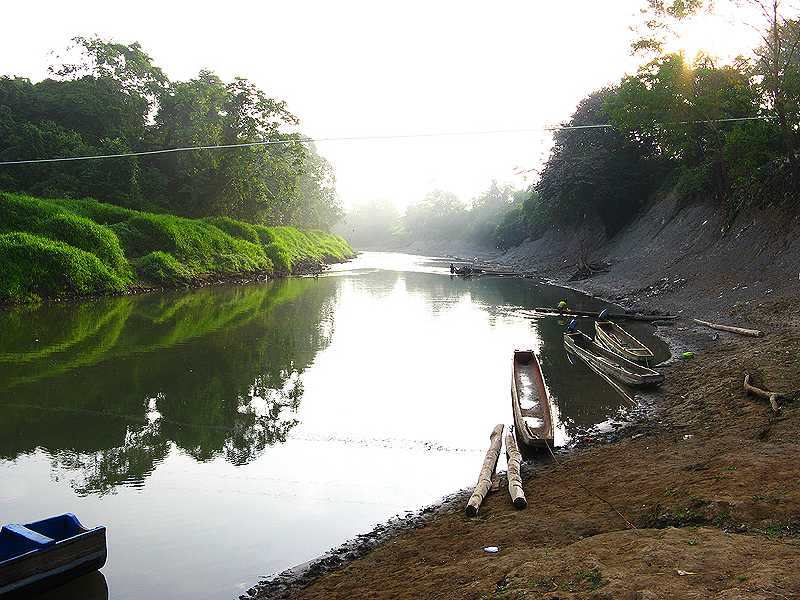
{"points": [[63, 248]]}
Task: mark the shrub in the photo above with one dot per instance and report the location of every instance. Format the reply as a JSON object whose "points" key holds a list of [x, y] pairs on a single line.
{"points": [[280, 257], [200, 246], [237, 229], [34, 266], [162, 267], [89, 236], [96, 242], [304, 248], [142, 234], [105, 214], [22, 213]]}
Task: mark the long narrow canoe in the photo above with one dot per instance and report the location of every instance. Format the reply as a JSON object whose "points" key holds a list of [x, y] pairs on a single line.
{"points": [[609, 362], [533, 422], [613, 337], [39, 555], [568, 312]]}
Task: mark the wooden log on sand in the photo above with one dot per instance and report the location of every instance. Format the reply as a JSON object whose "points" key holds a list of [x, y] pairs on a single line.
{"points": [[514, 476], [739, 330], [487, 470], [767, 395]]}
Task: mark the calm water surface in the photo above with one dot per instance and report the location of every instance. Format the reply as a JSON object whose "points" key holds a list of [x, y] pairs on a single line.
{"points": [[228, 433]]}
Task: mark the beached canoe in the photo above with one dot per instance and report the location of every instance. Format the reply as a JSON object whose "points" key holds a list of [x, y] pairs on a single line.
{"points": [[609, 362], [39, 555], [533, 422], [613, 337], [568, 312], [467, 271]]}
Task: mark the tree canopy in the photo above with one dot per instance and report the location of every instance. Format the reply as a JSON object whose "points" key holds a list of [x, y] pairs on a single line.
{"points": [[110, 98]]}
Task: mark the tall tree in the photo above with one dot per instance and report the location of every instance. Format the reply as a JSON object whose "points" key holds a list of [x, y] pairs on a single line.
{"points": [[596, 172], [672, 110]]}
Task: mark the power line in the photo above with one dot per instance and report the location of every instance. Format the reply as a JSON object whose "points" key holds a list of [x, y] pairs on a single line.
{"points": [[283, 142]]}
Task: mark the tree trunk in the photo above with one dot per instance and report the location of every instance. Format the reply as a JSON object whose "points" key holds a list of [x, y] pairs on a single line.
{"points": [[514, 476], [487, 470]]}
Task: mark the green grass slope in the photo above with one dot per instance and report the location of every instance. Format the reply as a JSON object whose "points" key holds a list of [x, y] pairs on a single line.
{"points": [[53, 248]]}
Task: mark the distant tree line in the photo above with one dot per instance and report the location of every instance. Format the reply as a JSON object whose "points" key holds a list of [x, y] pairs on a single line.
{"points": [[110, 98], [493, 218], [726, 133]]}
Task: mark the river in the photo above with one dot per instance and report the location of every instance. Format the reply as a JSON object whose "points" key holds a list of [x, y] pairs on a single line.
{"points": [[227, 433]]}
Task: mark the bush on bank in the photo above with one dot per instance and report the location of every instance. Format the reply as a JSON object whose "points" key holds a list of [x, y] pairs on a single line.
{"points": [[34, 266], [78, 247]]}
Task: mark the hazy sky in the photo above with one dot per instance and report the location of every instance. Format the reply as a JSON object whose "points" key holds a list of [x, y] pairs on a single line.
{"points": [[373, 68]]}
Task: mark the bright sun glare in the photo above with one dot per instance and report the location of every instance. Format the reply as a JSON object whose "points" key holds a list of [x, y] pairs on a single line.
{"points": [[721, 37]]}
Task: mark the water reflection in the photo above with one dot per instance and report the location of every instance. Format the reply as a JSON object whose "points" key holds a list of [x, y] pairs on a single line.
{"points": [[91, 586], [107, 387], [227, 433]]}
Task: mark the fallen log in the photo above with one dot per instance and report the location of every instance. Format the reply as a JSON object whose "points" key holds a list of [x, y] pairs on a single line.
{"points": [[514, 476], [586, 313], [739, 330], [773, 397], [487, 470]]}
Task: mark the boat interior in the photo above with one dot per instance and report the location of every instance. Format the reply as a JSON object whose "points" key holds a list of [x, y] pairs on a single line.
{"points": [[527, 390]]}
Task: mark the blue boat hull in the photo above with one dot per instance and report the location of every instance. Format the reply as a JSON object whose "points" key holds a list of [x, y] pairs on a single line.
{"points": [[43, 554]]}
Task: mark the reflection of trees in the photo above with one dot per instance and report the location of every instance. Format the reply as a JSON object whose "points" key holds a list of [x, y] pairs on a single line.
{"points": [[142, 449], [216, 372]]}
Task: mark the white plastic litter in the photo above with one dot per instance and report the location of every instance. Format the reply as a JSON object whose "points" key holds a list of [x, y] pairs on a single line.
{"points": [[491, 549]]}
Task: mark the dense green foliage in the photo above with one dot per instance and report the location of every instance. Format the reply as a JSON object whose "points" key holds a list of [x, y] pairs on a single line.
{"points": [[33, 265], [112, 99], [68, 247], [594, 171]]}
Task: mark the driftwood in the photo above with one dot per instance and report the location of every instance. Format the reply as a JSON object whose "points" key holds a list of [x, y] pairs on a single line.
{"points": [[739, 330], [567, 312], [773, 397], [514, 477], [487, 470]]}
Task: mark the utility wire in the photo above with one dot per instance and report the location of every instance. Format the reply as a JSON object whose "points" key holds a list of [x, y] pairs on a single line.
{"points": [[283, 142]]}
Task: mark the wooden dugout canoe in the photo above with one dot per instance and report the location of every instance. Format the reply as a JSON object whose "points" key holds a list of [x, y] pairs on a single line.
{"points": [[613, 337], [612, 364], [533, 421], [568, 312], [42, 554]]}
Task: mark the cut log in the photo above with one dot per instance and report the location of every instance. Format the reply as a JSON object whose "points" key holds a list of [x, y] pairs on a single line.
{"points": [[773, 397], [487, 470], [567, 312], [514, 476], [739, 330]]}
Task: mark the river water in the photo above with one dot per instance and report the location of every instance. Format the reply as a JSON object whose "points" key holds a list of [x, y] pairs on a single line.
{"points": [[228, 433]]}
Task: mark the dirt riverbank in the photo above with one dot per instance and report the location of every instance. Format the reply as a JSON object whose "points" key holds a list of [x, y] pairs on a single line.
{"points": [[709, 481], [706, 486]]}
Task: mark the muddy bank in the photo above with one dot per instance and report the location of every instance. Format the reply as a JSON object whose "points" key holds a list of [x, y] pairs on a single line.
{"points": [[705, 474], [709, 481]]}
